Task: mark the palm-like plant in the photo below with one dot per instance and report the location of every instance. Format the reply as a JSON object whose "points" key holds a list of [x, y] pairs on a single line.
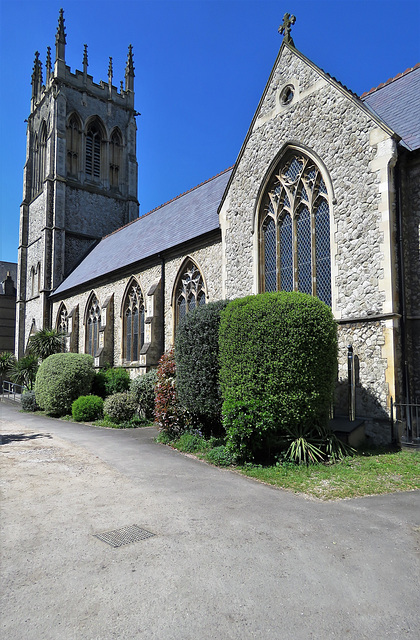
{"points": [[46, 342], [7, 359], [23, 371]]}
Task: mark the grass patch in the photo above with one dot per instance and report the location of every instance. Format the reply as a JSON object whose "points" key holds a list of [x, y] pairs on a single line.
{"points": [[367, 473]]}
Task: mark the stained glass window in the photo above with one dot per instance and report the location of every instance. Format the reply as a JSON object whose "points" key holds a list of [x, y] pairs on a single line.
{"points": [[295, 229], [93, 326], [133, 323]]}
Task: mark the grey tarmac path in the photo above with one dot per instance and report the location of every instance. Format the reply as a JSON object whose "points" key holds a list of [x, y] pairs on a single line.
{"points": [[230, 559]]}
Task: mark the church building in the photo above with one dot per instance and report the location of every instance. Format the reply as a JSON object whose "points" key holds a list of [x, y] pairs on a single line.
{"points": [[324, 198]]}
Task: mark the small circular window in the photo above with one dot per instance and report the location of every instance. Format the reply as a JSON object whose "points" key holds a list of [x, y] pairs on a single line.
{"points": [[287, 95]]}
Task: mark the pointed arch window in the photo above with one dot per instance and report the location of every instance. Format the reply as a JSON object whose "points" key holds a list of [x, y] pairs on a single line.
{"points": [[133, 320], [62, 323], [93, 325], [39, 151], [294, 229], [73, 142], [93, 151], [32, 281], [115, 149], [190, 292]]}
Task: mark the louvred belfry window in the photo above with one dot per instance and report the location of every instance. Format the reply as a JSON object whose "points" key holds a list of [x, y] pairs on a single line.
{"points": [[190, 291], [294, 230], [93, 152], [134, 315], [73, 145]]}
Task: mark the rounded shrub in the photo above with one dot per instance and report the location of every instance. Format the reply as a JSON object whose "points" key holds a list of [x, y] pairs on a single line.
{"points": [[61, 379], [197, 365], [29, 401], [278, 358], [87, 408], [120, 407], [142, 389]]}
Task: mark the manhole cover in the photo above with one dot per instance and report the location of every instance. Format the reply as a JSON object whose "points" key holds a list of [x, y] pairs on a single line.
{"points": [[125, 535]]}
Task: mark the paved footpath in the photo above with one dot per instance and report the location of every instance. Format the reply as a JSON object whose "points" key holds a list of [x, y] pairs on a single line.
{"points": [[230, 559]]}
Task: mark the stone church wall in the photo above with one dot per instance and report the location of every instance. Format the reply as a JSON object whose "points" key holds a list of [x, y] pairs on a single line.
{"points": [[355, 156], [209, 260]]}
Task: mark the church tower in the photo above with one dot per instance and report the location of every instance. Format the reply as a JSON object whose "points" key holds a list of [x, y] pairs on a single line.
{"points": [[80, 176]]}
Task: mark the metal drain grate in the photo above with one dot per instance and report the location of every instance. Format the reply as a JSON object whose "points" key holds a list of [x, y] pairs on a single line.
{"points": [[125, 535]]}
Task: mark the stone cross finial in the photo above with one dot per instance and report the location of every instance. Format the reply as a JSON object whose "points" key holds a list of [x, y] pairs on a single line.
{"points": [[285, 28]]}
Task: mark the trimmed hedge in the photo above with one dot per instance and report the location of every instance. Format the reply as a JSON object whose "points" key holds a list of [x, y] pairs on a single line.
{"points": [[120, 407], [278, 357], [197, 365], [117, 380], [87, 408], [61, 379]]}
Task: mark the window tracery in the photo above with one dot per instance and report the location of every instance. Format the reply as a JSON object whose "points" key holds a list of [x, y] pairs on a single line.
{"points": [[190, 292], [295, 229]]}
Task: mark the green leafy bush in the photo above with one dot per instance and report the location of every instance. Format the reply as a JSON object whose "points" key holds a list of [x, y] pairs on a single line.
{"points": [[278, 357], [117, 380], [169, 415], [191, 442], [7, 360], [61, 379], [29, 401], [221, 455], [98, 384], [143, 390], [87, 408], [120, 407], [197, 365]]}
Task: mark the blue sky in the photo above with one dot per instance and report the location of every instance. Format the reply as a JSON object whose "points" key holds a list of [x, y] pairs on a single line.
{"points": [[200, 67]]}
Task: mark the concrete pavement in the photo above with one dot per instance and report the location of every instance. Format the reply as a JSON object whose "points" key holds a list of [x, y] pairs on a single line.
{"points": [[231, 558]]}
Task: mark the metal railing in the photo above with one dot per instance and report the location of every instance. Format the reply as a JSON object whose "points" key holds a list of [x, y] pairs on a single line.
{"points": [[405, 422], [11, 390]]}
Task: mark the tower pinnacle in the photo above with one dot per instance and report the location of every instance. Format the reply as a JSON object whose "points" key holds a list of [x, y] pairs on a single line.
{"points": [[129, 70], [60, 38]]}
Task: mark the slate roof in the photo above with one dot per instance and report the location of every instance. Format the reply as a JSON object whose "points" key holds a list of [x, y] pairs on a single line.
{"points": [[184, 218], [397, 103]]}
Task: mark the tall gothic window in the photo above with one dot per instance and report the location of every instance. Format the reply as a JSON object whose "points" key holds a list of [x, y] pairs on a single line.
{"points": [[62, 319], [93, 325], [93, 151], [190, 291], [295, 230], [133, 320], [115, 147], [73, 140], [39, 159]]}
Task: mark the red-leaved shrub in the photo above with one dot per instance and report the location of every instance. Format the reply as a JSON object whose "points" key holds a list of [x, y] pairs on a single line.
{"points": [[170, 417]]}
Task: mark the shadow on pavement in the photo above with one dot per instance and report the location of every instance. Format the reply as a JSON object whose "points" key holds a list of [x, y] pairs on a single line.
{"points": [[21, 437]]}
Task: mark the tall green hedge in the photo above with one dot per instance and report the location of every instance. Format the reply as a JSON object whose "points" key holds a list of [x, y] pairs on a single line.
{"points": [[62, 378], [197, 365], [278, 358]]}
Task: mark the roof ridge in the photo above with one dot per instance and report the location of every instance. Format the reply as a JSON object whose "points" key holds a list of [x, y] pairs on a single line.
{"points": [[168, 202], [390, 80]]}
